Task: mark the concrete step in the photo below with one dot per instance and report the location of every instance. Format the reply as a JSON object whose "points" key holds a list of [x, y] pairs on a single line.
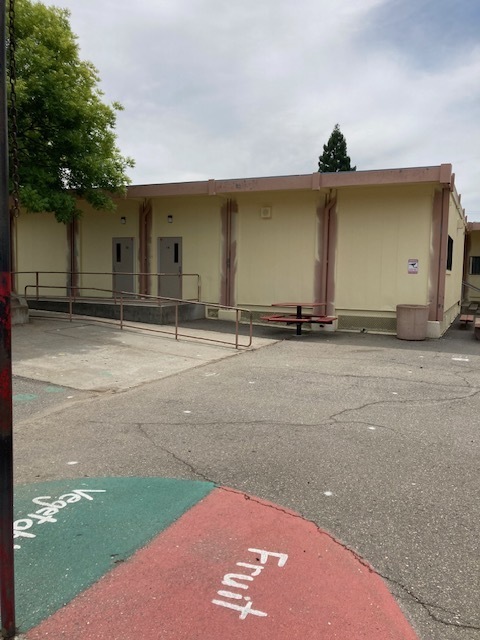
{"points": [[134, 312]]}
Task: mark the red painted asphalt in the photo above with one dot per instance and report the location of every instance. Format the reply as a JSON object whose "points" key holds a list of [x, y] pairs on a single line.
{"points": [[239, 568]]}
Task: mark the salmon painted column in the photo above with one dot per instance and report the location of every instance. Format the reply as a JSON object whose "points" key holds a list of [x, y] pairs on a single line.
{"points": [[145, 212], [229, 252], [327, 246], [7, 594]]}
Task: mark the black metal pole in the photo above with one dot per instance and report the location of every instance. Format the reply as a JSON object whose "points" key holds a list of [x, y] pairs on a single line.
{"points": [[7, 587]]}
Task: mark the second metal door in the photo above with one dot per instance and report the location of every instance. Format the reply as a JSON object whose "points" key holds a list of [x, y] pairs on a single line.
{"points": [[169, 251]]}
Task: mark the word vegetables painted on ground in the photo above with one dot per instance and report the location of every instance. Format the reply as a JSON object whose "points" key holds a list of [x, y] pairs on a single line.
{"points": [[237, 581], [21, 528]]}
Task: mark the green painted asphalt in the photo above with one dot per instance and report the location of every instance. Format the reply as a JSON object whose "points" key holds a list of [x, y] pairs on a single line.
{"points": [[27, 397], [72, 532]]}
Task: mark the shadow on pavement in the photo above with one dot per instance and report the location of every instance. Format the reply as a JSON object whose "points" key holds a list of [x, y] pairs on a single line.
{"points": [[456, 340]]}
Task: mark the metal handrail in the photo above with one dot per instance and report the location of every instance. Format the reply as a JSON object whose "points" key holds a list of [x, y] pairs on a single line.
{"points": [[74, 288], [472, 286], [119, 296]]}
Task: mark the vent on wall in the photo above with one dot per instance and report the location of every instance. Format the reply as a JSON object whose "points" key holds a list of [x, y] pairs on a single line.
{"points": [[265, 213]]}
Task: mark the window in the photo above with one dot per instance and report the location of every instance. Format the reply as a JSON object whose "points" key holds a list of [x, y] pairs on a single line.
{"points": [[475, 265], [449, 253]]}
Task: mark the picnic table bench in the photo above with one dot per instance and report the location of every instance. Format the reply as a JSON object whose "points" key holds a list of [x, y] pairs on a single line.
{"points": [[470, 316], [299, 318], [476, 329], [465, 319]]}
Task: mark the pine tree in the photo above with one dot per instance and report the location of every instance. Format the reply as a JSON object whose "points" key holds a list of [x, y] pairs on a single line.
{"points": [[334, 157]]}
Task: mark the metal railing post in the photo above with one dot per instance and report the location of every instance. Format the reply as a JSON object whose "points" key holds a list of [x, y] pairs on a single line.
{"points": [[236, 328], [118, 296]]}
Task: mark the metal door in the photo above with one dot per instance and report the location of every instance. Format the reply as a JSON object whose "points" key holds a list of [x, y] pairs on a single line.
{"points": [[169, 252], [123, 260]]}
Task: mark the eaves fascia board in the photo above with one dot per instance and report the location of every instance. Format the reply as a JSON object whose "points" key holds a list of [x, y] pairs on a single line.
{"points": [[441, 175]]}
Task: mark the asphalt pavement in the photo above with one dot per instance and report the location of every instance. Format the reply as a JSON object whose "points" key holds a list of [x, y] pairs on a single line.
{"points": [[373, 439]]}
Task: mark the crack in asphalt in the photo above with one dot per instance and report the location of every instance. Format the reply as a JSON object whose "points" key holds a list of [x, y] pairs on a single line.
{"points": [[426, 605], [189, 466], [331, 422], [429, 607], [234, 423], [367, 424], [408, 402], [417, 382], [323, 374], [462, 374]]}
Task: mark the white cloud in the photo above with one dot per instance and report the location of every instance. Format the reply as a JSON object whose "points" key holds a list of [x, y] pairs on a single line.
{"points": [[215, 89]]}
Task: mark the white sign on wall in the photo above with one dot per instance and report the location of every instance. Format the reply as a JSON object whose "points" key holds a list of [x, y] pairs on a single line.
{"points": [[413, 265]]}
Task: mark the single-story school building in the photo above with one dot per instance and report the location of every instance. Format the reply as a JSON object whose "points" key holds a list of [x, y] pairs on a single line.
{"points": [[363, 242], [472, 263]]}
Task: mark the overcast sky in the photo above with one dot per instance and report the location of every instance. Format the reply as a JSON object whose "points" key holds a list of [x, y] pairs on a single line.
{"points": [[220, 89]]}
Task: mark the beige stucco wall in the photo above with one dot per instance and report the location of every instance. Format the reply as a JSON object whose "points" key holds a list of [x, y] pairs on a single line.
{"points": [[379, 230], [96, 230], [473, 279], [40, 245], [197, 220], [453, 278], [276, 256]]}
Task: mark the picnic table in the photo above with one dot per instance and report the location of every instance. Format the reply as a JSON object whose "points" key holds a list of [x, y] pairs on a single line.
{"points": [[300, 317], [469, 316]]}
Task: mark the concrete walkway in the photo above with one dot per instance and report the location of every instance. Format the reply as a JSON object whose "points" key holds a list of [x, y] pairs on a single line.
{"points": [[90, 355]]}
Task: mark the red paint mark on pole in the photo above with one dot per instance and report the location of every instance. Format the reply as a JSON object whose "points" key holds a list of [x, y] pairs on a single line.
{"points": [[7, 594], [7, 590]]}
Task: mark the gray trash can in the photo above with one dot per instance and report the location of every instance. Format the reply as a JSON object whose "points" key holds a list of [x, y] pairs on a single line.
{"points": [[412, 321]]}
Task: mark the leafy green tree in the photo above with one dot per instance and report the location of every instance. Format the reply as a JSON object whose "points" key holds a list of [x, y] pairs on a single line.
{"points": [[334, 157], [66, 139]]}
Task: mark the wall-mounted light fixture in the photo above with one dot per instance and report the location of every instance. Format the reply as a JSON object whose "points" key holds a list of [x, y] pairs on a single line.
{"points": [[265, 212], [123, 220], [170, 218]]}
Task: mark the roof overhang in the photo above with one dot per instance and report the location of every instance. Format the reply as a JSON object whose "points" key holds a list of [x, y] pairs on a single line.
{"points": [[441, 175]]}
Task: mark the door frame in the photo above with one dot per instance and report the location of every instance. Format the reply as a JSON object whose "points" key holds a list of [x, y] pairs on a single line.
{"points": [[179, 289], [125, 274]]}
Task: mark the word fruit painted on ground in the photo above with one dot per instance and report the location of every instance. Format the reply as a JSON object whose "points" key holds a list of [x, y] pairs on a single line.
{"points": [[49, 509], [237, 581]]}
